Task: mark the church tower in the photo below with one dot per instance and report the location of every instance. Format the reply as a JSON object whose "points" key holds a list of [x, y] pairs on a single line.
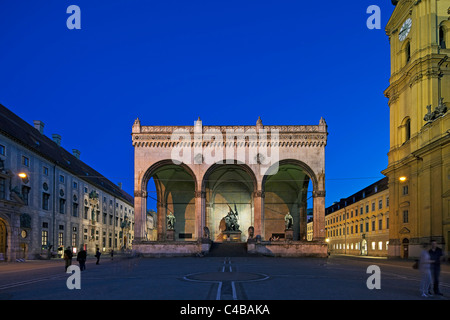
{"points": [[419, 154]]}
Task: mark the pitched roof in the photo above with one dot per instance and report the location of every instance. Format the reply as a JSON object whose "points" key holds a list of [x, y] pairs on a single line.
{"points": [[372, 189], [23, 133]]}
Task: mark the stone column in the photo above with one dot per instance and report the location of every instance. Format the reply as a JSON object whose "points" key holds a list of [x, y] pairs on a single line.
{"points": [[140, 215], [200, 212], [319, 215], [161, 208], [303, 222], [258, 214]]}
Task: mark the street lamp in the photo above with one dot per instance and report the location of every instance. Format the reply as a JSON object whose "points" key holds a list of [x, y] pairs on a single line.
{"points": [[23, 176], [402, 179]]}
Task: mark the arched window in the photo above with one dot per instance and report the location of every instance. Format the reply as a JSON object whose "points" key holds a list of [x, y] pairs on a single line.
{"points": [[442, 38], [406, 129], [408, 52]]}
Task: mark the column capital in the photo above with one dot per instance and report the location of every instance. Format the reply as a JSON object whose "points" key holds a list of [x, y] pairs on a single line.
{"points": [[259, 194], [140, 194], [319, 194], [200, 194]]}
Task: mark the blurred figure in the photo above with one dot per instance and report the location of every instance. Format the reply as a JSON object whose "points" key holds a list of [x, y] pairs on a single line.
{"points": [[425, 271], [435, 255]]}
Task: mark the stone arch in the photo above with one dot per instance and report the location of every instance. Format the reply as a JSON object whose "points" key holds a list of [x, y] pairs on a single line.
{"points": [[175, 186], [285, 189], [5, 232], [228, 184]]}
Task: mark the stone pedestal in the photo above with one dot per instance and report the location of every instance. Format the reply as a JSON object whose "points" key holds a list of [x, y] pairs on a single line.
{"points": [[289, 234], [170, 235], [232, 236]]}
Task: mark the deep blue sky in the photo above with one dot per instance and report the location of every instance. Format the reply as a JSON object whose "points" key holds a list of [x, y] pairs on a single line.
{"points": [[230, 61]]}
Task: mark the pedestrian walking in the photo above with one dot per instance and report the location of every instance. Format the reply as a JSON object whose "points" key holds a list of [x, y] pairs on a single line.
{"points": [[67, 257], [112, 254], [81, 258], [435, 254], [425, 271], [97, 255]]}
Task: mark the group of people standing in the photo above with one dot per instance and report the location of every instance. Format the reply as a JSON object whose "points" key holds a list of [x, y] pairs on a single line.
{"points": [[81, 257], [430, 268]]}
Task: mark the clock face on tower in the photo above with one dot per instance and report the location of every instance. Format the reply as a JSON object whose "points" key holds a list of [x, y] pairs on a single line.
{"points": [[404, 31]]}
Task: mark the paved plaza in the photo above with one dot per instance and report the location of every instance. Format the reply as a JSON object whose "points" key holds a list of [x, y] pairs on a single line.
{"points": [[217, 278]]}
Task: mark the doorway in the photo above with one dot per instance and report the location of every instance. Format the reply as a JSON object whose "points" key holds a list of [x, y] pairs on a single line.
{"points": [[405, 248]]}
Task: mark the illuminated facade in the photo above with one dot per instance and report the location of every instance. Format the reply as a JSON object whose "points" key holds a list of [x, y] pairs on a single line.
{"points": [[59, 201], [359, 224], [419, 97]]}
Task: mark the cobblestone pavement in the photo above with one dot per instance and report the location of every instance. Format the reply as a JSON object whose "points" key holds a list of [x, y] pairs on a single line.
{"points": [[218, 278]]}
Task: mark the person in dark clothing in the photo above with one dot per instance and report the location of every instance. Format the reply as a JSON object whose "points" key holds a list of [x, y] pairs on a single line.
{"points": [[97, 255], [68, 257], [435, 255], [81, 258]]}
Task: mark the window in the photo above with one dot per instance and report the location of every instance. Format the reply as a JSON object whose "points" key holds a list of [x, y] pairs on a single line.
{"points": [[75, 209], [408, 52], [44, 238], [387, 201], [61, 239], [380, 224], [373, 206], [62, 205], [380, 204], [367, 227], [380, 245], [408, 130], [75, 185], [45, 200], [2, 150], [85, 190], [387, 223], [405, 216], [367, 208], [2, 188], [74, 240], [25, 194], [45, 171], [373, 225], [25, 161], [405, 190], [61, 178], [86, 212], [442, 38]]}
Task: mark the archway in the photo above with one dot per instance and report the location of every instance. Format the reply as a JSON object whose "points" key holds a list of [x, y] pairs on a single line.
{"points": [[287, 190], [3, 240], [173, 192], [228, 186]]}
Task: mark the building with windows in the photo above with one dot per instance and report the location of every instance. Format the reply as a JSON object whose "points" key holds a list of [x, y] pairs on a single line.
{"points": [[50, 199], [419, 154], [359, 224]]}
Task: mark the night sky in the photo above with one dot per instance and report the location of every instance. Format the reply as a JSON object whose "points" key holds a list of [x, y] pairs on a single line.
{"points": [[228, 62]]}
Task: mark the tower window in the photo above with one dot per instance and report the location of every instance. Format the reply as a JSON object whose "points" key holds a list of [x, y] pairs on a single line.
{"points": [[408, 129], [442, 38], [408, 52]]}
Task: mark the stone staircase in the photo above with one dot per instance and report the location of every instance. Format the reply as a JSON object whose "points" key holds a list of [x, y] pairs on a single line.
{"points": [[228, 249]]}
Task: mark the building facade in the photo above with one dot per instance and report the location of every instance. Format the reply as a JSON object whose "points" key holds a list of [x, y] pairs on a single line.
{"points": [[201, 173], [359, 225], [419, 155], [50, 199]]}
